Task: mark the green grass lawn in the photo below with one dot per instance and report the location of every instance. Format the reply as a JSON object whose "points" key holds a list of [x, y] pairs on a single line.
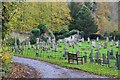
{"points": [[57, 58]]}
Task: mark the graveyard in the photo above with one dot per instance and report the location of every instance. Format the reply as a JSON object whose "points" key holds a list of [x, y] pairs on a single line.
{"points": [[60, 57], [59, 39]]}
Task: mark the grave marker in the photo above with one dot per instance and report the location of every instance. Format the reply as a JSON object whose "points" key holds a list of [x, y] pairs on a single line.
{"points": [[118, 60]]}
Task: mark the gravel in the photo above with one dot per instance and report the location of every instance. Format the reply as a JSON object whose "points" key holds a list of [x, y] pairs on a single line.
{"points": [[47, 70]]}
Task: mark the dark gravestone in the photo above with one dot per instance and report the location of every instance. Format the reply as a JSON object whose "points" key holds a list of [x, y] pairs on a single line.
{"points": [[65, 54], [23, 46], [98, 60], [118, 60], [112, 55], [105, 45], [85, 57], [91, 56], [105, 59], [13, 48]]}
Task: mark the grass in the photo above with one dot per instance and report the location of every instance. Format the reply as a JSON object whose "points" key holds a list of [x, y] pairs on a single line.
{"points": [[59, 60]]}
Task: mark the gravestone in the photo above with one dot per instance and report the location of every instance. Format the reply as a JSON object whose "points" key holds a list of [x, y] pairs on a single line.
{"points": [[111, 43], [117, 44], [105, 59], [112, 54], [105, 44], [37, 54], [85, 57], [107, 39], [29, 45], [88, 40], [37, 43], [53, 47], [118, 60], [114, 38], [91, 56], [23, 46], [97, 39], [80, 44], [16, 46], [65, 53], [56, 48], [77, 52], [83, 39], [93, 43], [98, 59], [70, 44]]}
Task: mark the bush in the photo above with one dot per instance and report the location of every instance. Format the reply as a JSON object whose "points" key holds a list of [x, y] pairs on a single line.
{"points": [[35, 32], [42, 27], [11, 41], [94, 36], [66, 34], [32, 39], [63, 31]]}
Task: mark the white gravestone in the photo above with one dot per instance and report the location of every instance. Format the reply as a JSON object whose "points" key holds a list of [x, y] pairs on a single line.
{"points": [[117, 43], [88, 40], [107, 39], [93, 43], [97, 38], [111, 43]]}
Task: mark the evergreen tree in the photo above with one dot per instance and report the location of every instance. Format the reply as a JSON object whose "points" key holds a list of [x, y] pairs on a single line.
{"points": [[84, 21]]}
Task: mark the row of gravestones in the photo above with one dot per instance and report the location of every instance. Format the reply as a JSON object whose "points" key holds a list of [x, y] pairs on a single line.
{"points": [[104, 60]]}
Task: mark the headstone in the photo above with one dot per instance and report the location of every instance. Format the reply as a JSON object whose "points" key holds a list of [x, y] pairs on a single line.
{"points": [[112, 55], [37, 43], [111, 43], [83, 39], [117, 44], [16, 46], [105, 59], [56, 48], [53, 47], [23, 46], [29, 45], [77, 52], [114, 38], [105, 44], [65, 53], [88, 40], [80, 44], [93, 43], [107, 39], [97, 39], [91, 56], [98, 59], [118, 60], [85, 57]]}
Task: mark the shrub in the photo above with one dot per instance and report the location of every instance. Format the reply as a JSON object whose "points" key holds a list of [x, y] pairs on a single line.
{"points": [[32, 39], [94, 36], [11, 41], [42, 27], [35, 32]]}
